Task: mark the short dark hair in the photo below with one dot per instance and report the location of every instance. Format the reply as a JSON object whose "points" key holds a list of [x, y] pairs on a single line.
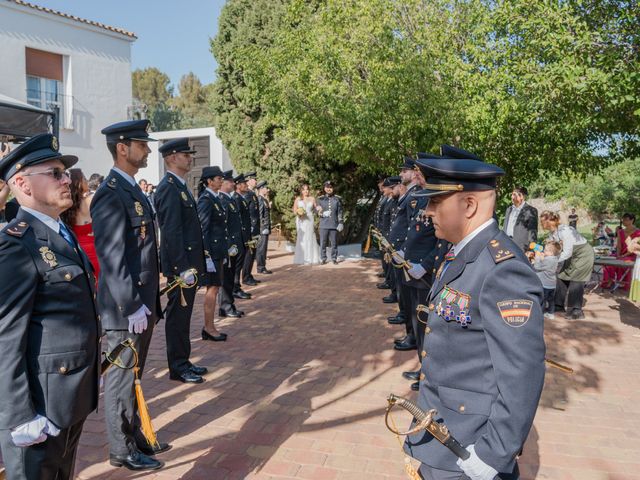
{"points": [[112, 147], [521, 190], [629, 216], [94, 181]]}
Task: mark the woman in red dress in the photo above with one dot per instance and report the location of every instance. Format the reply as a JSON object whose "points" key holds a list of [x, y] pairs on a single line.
{"points": [[622, 275], [79, 218]]}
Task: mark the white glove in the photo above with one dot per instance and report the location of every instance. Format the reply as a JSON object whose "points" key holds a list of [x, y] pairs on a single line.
{"points": [[397, 257], [265, 231], [33, 432], [416, 270], [138, 321], [340, 227], [188, 277], [326, 214], [400, 253], [475, 468], [211, 267]]}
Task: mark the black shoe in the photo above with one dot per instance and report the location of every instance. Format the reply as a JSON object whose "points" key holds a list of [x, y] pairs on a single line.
{"points": [[395, 321], [383, 286], [390, 298], [404, 339], [411, 375], [265, 271], [415, 386], [405, 346], [198, 370], [576, 315], [219, 338], [323, 262], [232, 313], [135, 461], [186, 377], [398, 315], [335, 262], [242, 295], [251, 283], [154, 450]]}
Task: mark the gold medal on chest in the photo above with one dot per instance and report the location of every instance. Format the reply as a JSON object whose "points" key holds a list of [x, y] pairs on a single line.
{"points": [[184, 196], [138, 207], [217, 207], [48, 256], [143, 232]]}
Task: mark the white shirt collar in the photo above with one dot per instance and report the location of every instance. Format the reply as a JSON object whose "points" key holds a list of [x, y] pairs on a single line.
{"points": [[52, 223], [230, 195], [212, 192], [457, 248], [126, 176], [182, 180]]}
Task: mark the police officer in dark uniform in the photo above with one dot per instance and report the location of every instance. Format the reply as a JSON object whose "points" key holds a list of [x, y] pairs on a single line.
{"points": [[128, 287], [331, 222], [388, 218], [245, 217], [213, 219], [182, 256], [483, 351], [384, 225], [236, 247], [251, 197], [49, 333], [264, 211]]}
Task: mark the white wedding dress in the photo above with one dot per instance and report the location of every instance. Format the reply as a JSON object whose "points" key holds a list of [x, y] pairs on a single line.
{"points": [[307, 248]]}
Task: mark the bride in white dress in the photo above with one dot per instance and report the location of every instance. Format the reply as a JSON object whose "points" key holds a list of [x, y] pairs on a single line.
{"points": [[307, 249]]}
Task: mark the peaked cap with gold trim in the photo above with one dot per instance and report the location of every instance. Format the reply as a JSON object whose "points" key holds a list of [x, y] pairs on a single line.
{"points": [[38, 149]]}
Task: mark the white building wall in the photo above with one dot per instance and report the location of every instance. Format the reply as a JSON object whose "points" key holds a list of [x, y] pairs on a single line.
{"points": [[97, 73]]}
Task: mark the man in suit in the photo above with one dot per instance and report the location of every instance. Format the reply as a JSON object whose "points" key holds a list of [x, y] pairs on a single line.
{"points": [[213, 219], [236, 247], [521, 220], [245, 218], [128, 287], [264, 212], [182, 256], [49, 333], [251, 197], [331, 222], [483, 351]]}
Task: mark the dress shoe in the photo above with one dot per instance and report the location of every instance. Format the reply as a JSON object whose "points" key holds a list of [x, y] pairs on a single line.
{"points": [[323, 262], [335, 262], [576, 315], [215, 338], [411, 375], [264, 271], [395, 321], [398, 315], [186, 377], [154, 450], [135, 461], [198, 370], [242, 295], [390, 299], [232, 313], [251, 283], [383, 286], [405, 345], [415, 386]]}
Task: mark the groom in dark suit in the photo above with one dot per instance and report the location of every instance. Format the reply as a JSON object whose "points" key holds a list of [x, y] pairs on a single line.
{"points": [[521, 219]]}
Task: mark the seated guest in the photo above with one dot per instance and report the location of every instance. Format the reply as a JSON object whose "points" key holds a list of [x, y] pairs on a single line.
{"points": [[78, 217], [576, 259], [602, 233], [613, 275], [521, 219]]}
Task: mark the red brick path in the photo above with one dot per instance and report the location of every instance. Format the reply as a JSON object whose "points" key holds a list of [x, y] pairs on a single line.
{"points": [[299, 389]]}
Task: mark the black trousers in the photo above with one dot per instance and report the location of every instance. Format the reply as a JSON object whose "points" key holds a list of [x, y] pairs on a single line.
{"points": [[261, 252], [390, 278], [247, 266], [404, 300], [418, 296], [328, 235], [53, 459], [176, 327], [569, 295], [120, 409], [242, 254], [225, 294]]}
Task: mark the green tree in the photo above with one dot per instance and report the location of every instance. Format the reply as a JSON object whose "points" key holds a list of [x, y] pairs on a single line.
{"points": [[193, 102], [151, 86]]}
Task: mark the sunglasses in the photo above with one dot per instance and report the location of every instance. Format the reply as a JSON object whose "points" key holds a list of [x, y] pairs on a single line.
{"points": [[57, 174]]}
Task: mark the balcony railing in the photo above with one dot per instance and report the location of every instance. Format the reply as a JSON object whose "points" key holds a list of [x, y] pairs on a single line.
{"points": [[61, 104]]}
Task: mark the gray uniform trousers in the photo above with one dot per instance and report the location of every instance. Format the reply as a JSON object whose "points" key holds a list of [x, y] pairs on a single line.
{"points": [[35, 461], [261, 252], [177, 326], [121, 411], [328, 235]]}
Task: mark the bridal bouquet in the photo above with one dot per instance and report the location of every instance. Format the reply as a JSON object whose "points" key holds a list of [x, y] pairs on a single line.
{"points": [[301, 212]]}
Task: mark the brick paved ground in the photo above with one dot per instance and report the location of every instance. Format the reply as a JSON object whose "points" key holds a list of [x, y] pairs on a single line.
{"points": [[299, 389]]}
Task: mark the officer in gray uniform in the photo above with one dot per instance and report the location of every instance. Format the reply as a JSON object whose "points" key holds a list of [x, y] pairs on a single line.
{"points": [[128, 287], [181, 252], [236, 247], [483, 352], [245, 218], [49, 333], [264, 210], [331, 222], [251, 197]]}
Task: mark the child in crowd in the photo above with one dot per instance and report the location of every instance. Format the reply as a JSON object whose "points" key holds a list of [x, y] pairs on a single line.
{"points": [[545, 264]]}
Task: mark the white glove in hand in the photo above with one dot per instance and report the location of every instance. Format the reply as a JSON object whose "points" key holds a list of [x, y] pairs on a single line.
{"points": [[326, 214], [340, 227], [397, 257], [400, 253], [188, 277], [416, 270], [265, 231], [211, 267], [475, 468], [34, 431], [138, 321]]}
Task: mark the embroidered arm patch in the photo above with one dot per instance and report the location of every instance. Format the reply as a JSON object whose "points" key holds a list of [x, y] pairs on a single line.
{"points": [[515, 313]]}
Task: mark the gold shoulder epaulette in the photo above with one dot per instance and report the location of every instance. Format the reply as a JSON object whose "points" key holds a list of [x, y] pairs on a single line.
{"points": [[16, 228], [498, 252]]}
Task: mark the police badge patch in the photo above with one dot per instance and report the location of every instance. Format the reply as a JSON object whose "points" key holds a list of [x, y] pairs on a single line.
{"points": [[184, 196], [48, 256], [138, 207], [515, 313]]}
